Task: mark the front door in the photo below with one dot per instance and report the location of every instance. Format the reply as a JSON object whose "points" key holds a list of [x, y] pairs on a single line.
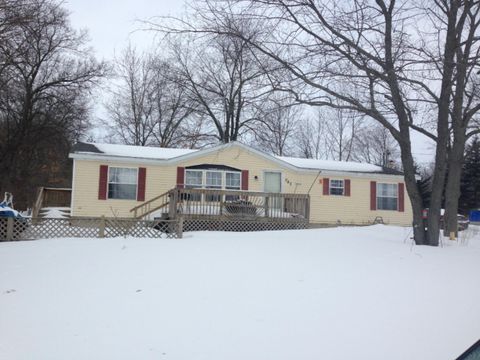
{"points": [[273, 184]]}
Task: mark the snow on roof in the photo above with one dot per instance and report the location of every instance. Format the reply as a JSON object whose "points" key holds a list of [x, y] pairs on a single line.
{"points": [[145, 152], [331, 165], [158, 153]]}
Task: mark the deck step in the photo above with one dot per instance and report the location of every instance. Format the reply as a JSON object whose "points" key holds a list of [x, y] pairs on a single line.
{"points": [[55, 212]]}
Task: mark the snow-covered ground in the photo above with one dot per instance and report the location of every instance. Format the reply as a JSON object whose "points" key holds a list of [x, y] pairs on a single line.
{"points": [[344, 293]]}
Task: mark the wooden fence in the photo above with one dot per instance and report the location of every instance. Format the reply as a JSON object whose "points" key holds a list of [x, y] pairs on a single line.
{"points": [[46, 228], [43, 228]]}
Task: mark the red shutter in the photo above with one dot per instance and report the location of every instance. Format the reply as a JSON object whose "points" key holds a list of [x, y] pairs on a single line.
{"points": [[180, 177], [244, 179], [142, 174], [373, 195], [326, 186], [347, 187], [102, 182], [401, 197]]}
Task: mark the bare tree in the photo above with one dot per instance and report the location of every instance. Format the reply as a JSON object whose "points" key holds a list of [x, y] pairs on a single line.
{"points": [[148, 105], [311, 138], [378, 58], [224, 80], [341, 128], [464, 109], [131, 108], [46, 75], [375, 145], [275, 130]]}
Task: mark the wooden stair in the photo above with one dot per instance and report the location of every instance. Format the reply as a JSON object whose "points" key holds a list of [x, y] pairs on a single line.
{"points": [[160, 202]]}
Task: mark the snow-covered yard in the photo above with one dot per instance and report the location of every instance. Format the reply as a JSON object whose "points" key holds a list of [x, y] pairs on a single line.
{"points": [[344, 293]]}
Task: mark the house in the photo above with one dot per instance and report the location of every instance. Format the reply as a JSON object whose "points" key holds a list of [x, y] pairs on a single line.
{"points": [[113, 179]]}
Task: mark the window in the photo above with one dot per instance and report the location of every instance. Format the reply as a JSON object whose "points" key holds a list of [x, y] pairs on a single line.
{"points": [[122, 183], [336, 187], [232, 181], [194, 179], [212, 179], [387, 196]]}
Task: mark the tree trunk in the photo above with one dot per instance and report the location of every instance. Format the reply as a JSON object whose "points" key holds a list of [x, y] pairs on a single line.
{"points": [[414, 194], [438, 182], [452, 190]]}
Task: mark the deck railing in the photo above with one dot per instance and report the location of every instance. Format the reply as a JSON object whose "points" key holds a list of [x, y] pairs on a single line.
{"points": [[202, 203]]}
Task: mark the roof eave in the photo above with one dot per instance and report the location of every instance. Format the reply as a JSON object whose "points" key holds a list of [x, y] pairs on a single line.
{"points": [[203, 152]]}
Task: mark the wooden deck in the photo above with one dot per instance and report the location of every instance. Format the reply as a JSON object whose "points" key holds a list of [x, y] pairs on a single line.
{"points": [[213, 204]]}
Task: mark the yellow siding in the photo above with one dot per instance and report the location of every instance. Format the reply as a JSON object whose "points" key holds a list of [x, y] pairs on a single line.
{"points": [[354, 209]]}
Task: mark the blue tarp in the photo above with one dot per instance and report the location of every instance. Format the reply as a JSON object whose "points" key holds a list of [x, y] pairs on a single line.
{"points": [[6, 211], [474, 215]]}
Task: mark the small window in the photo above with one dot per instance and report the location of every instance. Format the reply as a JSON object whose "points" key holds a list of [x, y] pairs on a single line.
{"points": [[213, 181], [194, 179], [387, 196], [336, 187], [232, 181], [122, 183]]}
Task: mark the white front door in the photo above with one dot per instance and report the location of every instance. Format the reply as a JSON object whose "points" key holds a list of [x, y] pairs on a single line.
{"points": [[273, 184], [273, 181]]}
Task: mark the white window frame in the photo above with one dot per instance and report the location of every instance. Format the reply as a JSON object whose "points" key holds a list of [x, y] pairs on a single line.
{"points": [[109, 182], [239, 183], [330, 187], [203, 185], [194, 186], [388, 197], [222, 179]]}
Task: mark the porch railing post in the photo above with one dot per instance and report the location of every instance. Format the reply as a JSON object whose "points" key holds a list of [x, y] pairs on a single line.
{"points": [[307, 209], [101, 227], [180, 227], [266, 205], [173, 204], [10, 221]]}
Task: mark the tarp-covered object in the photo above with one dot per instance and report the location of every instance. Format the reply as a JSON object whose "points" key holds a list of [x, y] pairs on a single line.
{"points": [[474, 215]]}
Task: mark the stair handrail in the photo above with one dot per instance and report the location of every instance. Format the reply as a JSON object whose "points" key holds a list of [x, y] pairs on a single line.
{"points": [[146, 203]]}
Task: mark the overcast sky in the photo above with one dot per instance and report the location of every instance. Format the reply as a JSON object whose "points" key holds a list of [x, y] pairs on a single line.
{"points": [[112, 24]]}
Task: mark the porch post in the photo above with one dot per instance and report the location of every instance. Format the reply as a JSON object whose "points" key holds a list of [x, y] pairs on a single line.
{"points": [[10, 228], [173, 204]]}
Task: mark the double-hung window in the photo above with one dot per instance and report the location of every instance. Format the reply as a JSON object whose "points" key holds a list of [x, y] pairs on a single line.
{"points": [[213, 180], [232, 182], [194, 179], [336, 187], [122, 183], [387, 196]]}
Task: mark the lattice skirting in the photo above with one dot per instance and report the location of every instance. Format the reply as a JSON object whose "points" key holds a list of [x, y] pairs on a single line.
{"points": [[41, 228], [240, 225]]}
